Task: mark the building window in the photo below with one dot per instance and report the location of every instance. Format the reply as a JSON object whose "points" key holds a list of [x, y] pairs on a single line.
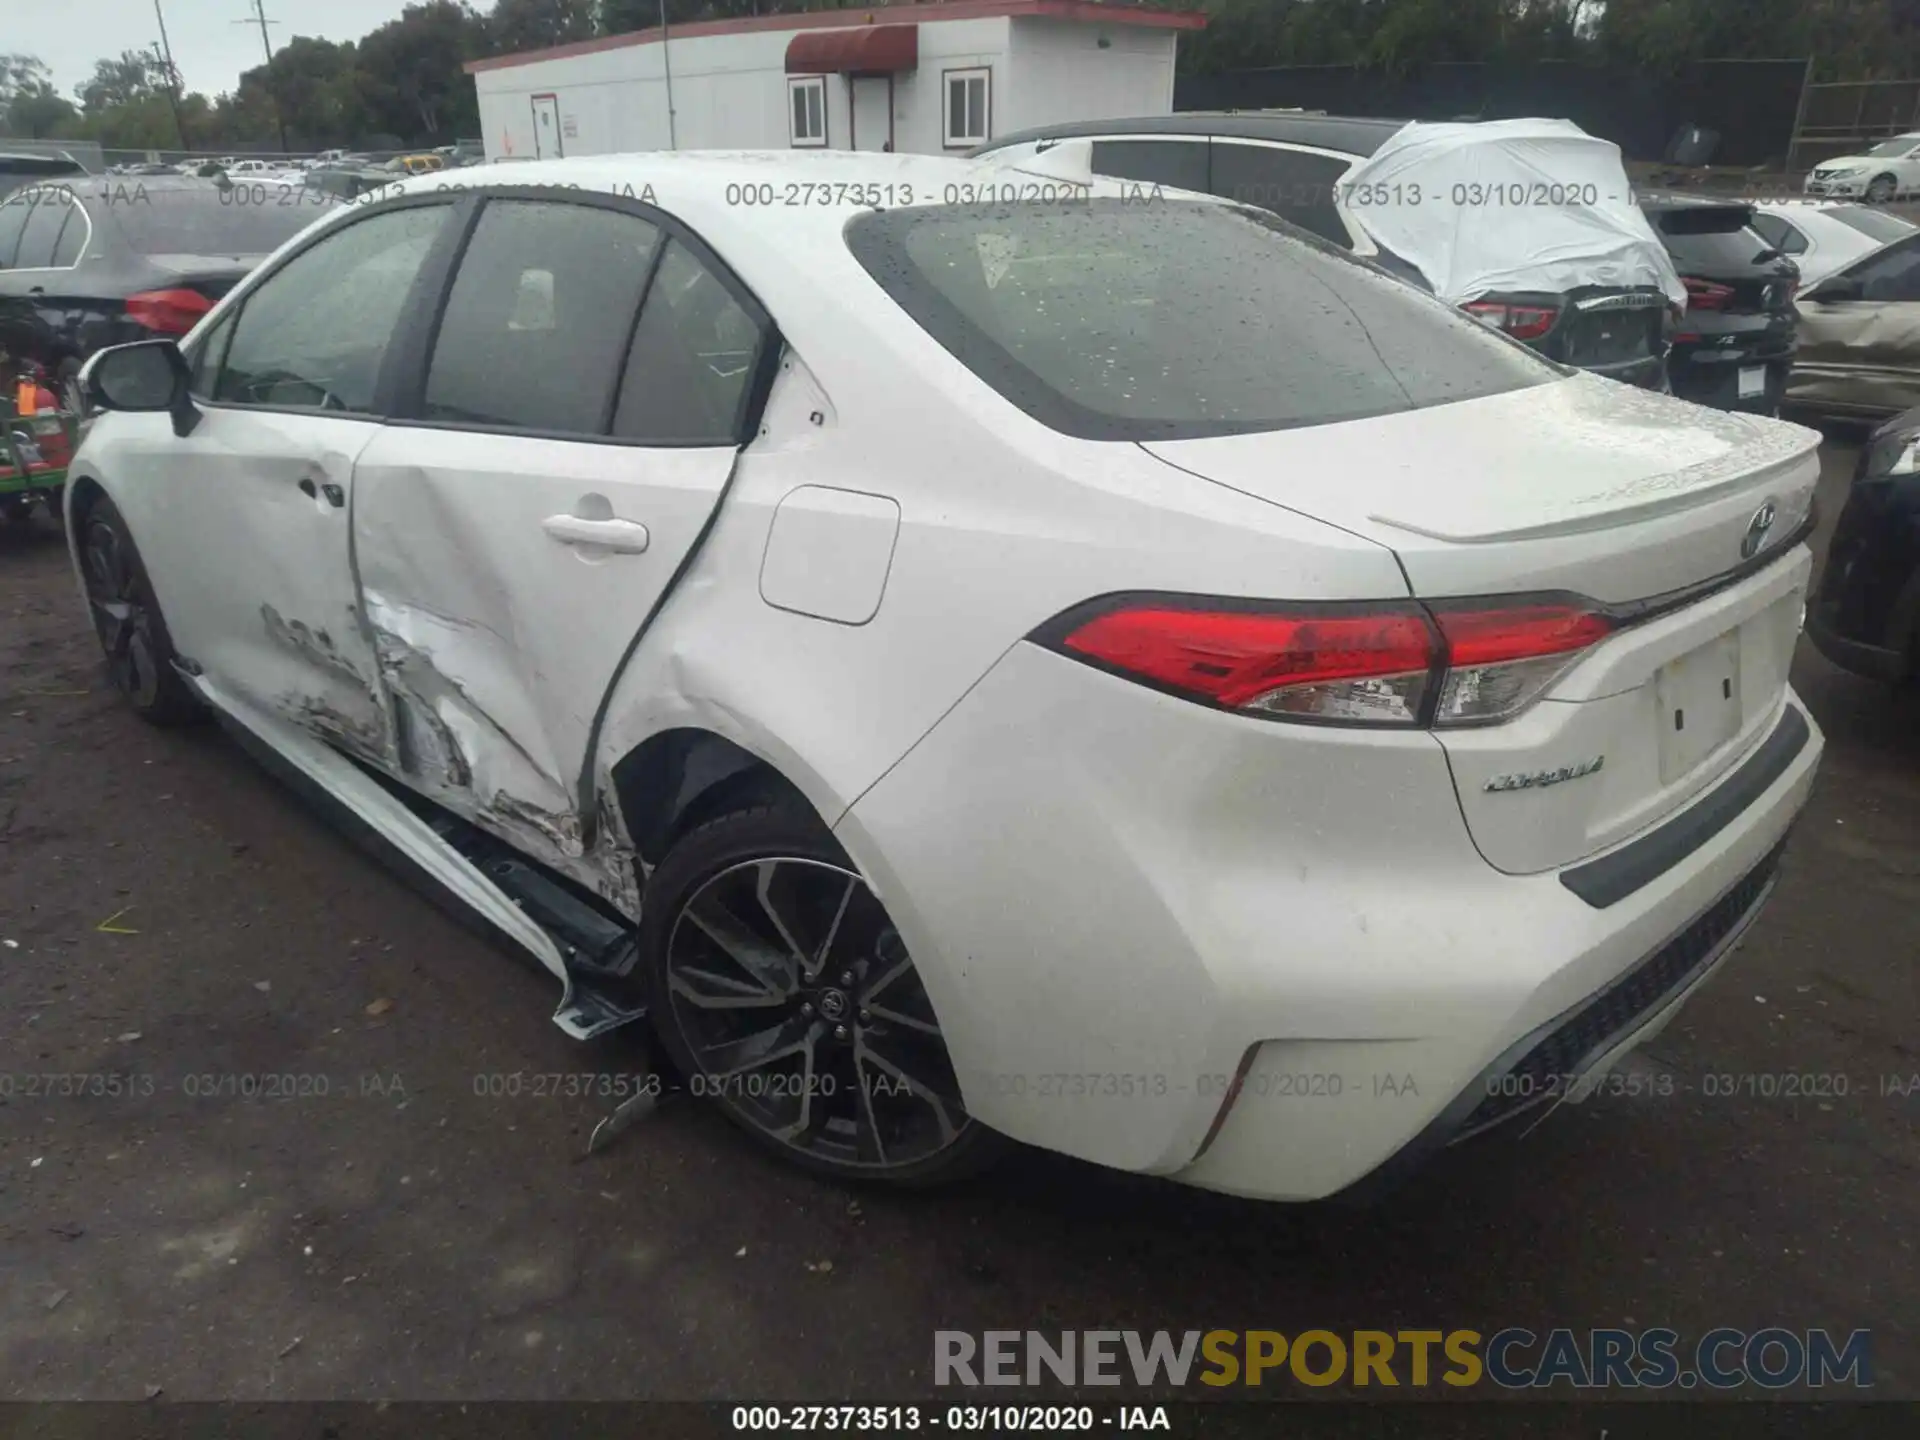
{"points": [[965, 107], [807, 111]]}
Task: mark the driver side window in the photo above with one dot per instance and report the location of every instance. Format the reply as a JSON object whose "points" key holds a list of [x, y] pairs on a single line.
{"points": [[312, 336]]}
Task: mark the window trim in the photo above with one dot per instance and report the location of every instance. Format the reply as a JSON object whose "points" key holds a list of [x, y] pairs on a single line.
{"points": [[984, 73], [817, 84], [384, 384], [412, 350]]}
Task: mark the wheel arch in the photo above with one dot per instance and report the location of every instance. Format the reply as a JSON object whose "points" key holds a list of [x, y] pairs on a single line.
{"points": [[678, 778]]}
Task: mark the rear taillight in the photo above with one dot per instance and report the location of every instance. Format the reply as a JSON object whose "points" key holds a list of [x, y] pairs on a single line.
{"points": [[1500, 658], [1389, 664], [1706, 294], [168, 312], [1523, 322]]}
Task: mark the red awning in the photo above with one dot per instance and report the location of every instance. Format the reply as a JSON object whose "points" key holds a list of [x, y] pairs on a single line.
{"points": [[870, 50]]}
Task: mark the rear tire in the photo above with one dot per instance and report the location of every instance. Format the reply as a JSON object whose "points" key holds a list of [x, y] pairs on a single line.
{"points": [[126, 618], [782, 992]]}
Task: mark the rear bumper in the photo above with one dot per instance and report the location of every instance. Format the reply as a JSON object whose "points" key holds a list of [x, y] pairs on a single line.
{"points": [[1259, 958]]}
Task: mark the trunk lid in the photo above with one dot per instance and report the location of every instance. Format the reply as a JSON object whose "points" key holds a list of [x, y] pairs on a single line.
{"points": [[1620, 495]]}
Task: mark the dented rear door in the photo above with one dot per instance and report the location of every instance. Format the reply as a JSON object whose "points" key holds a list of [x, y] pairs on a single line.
{"points": [[516, 534]]}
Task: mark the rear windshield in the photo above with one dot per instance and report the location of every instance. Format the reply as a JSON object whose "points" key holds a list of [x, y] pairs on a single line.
{"points": [[1874, 224], [1136, 320], [1710, 236], [177, 220]]}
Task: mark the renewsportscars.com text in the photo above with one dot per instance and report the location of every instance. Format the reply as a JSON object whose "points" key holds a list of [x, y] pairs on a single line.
{"points": [[1652, 1359]]}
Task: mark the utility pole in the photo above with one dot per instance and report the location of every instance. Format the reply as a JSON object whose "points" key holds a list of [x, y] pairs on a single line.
{"points": [[173, 75], [666, 59], [266, 46]]}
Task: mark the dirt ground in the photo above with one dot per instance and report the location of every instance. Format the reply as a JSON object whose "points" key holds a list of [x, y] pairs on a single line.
{"points": [[378, 1222]]}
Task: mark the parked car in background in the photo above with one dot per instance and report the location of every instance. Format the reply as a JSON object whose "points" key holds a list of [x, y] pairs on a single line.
{"points": [[1865, 616], [1581, 279], [423, 164], [1860, 337], [1821, 236], [88, 265], [1734, 346], [618, 562], [1884, 172], [348, 181], [17, 170]]}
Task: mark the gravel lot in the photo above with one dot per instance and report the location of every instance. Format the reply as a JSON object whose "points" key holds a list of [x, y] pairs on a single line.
{"points": [[404, 1236]]}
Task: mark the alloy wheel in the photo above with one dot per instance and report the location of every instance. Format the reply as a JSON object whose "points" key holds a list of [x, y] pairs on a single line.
{"points": [[121, 617], [804, 1015]]}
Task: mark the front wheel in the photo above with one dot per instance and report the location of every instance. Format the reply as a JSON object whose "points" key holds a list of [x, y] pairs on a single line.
{"points": [[126, 617], [782, 990], [1881, 189]]}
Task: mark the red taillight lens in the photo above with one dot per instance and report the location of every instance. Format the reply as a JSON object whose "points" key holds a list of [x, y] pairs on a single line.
{"points": [[1523, 322], [168, 312], [1389, 664], [1499, 659], [1706, 294], [1361, 666]]}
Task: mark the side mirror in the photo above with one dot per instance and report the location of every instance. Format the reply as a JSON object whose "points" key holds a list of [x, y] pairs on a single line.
{"points": [[1837, 287], [145, 377]]}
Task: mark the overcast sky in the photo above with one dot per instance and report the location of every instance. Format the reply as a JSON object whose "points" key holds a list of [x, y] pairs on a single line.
{"points": [[209, 48]]}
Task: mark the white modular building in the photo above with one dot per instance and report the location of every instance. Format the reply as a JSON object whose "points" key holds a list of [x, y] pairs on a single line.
{"points": [[930, 78]]}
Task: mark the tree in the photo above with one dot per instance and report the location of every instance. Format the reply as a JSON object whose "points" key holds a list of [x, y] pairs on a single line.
{"points": [[412, 76], [29, 105], [135, 75], [536, 24], [318, 86]]}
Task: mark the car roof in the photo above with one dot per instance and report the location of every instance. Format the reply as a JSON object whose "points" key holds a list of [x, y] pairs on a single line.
{"points": [[1352, 135]]}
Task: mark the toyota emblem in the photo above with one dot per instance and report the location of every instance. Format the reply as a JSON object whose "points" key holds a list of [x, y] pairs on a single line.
{"points": [[1757, 529]]}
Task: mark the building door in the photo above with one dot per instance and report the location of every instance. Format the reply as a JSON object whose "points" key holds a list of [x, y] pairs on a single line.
{"points": [[872, 112], [546, 128]]}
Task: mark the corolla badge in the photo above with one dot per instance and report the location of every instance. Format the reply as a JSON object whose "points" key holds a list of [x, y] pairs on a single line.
{"points": [[1757, 529], [1539, 779]]}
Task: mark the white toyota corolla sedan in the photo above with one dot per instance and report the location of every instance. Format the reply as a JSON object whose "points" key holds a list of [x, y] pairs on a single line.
{"points": [[969, 654]]}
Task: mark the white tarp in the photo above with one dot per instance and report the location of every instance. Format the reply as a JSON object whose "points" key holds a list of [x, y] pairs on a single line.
{"points": [[1505, 205]]}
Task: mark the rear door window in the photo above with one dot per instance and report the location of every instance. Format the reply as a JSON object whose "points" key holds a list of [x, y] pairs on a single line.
{"points": [[1116, 320], [1181, 163], [13, 219], [539, 318], [1787, 239], [694, 354], [45, 221], [1297, 185]]}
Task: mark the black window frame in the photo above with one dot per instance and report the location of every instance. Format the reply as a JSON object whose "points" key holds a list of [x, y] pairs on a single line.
{"points": [[419, 328]]}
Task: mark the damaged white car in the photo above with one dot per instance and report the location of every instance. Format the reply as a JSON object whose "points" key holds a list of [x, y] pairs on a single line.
{"points": [[966, 652]]}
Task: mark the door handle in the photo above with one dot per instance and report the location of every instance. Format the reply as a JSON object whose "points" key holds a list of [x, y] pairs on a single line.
{"points": [[627, 536], [309, 489], [336, 496]]}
